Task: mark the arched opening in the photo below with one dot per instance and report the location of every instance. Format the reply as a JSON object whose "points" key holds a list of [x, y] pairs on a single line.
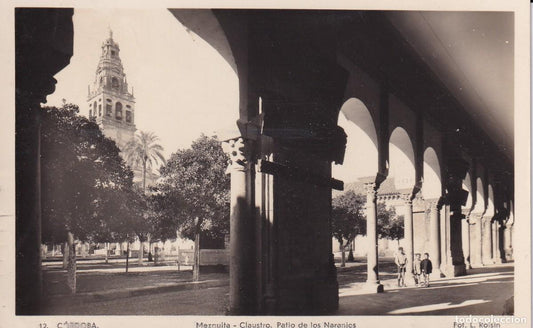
{"points": [[114, 83], [361, 155], [467, 224], [401, 181], [360, 161], [480, 197], [490, 203], [402, 159], [431, 187], [118, 111], [467, 185]]}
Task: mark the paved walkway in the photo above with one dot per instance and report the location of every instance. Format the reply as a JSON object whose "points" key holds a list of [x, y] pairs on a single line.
{"points": [[159, 290], [483, 292]]}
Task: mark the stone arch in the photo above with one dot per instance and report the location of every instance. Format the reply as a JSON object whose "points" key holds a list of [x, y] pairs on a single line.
{"points": [[467, 185], [490, 212], [206, 25], [480, 197], [362, 142], [402, 159], [432, 186]]}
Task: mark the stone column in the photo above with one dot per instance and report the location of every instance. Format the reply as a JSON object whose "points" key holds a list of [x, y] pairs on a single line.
{"points": [[477, 253], [443, 240], [408, 235], [496, 257], [507, 242], [434, 236], [486, 241], [242, 262], [372, 280], [466, 241]]}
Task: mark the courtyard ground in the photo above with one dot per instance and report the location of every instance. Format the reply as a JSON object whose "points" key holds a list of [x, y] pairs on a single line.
{"points": [[162, 290]]}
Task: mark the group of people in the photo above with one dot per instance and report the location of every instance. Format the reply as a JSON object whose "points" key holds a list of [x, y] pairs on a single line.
{"points": [[420, 268]]}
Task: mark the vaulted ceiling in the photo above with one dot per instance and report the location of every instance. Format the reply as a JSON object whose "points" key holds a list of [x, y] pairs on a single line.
{"points": [[472, 53]]}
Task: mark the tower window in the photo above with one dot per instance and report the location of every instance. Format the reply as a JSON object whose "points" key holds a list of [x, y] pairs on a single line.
{"points": [[99, 110], [94, 107], [118, 111], [114, 83], [108, 110], [90, 113], [112, 53], [128, 116]]}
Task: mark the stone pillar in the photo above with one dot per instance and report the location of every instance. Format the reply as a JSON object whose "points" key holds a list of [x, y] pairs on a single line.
{"points": [[434, 236], [477, 245], [486, 241], [44, 46], [242, 261], [466, 242], [408, 235], [496, 256], [372, 280], [507, 242], [456, 247], [444, 239]]}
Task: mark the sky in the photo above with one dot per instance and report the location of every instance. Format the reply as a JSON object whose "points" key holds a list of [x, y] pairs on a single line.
{"points": [[182, 86]]}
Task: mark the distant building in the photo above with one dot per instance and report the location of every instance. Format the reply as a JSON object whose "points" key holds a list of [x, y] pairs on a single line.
{"points": [[110, 102], [391, 196], [112, 105]]}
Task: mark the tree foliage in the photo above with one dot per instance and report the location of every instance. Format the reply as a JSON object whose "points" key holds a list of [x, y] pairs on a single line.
{"points": [[144, 152], [390, 225], [84, 179], [193, 192], [348, 217]]}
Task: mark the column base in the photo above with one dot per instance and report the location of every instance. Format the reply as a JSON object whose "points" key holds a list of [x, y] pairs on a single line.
{"points": [[455, 270], [437, 273], [373, 287], [487, 262], [305, 298]]}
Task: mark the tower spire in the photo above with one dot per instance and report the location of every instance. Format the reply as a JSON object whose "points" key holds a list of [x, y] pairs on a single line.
{"points": [[110, 32]]}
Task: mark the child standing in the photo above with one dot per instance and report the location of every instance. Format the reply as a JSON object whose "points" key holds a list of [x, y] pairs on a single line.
{"points": [[401, 262], [416, 269], [426, 267]]}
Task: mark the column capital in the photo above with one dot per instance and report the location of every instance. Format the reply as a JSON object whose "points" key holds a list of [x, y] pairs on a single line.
{"points": [[433, 203], [238, 153], [407, 198], [371, 192]]}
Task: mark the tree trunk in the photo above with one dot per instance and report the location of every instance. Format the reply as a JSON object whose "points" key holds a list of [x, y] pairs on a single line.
{"points": [[127, 255], [144, 176], [196, 267], [150, 254], [71, 266], [64, 251], [106, 253], [141, 250], [343, 256]]}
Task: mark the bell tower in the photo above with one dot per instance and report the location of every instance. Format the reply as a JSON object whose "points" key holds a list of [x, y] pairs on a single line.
{"points": [[110, 102]]}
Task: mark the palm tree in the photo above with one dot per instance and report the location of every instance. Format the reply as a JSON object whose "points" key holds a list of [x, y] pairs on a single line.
{"points": [[144, 151]]}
